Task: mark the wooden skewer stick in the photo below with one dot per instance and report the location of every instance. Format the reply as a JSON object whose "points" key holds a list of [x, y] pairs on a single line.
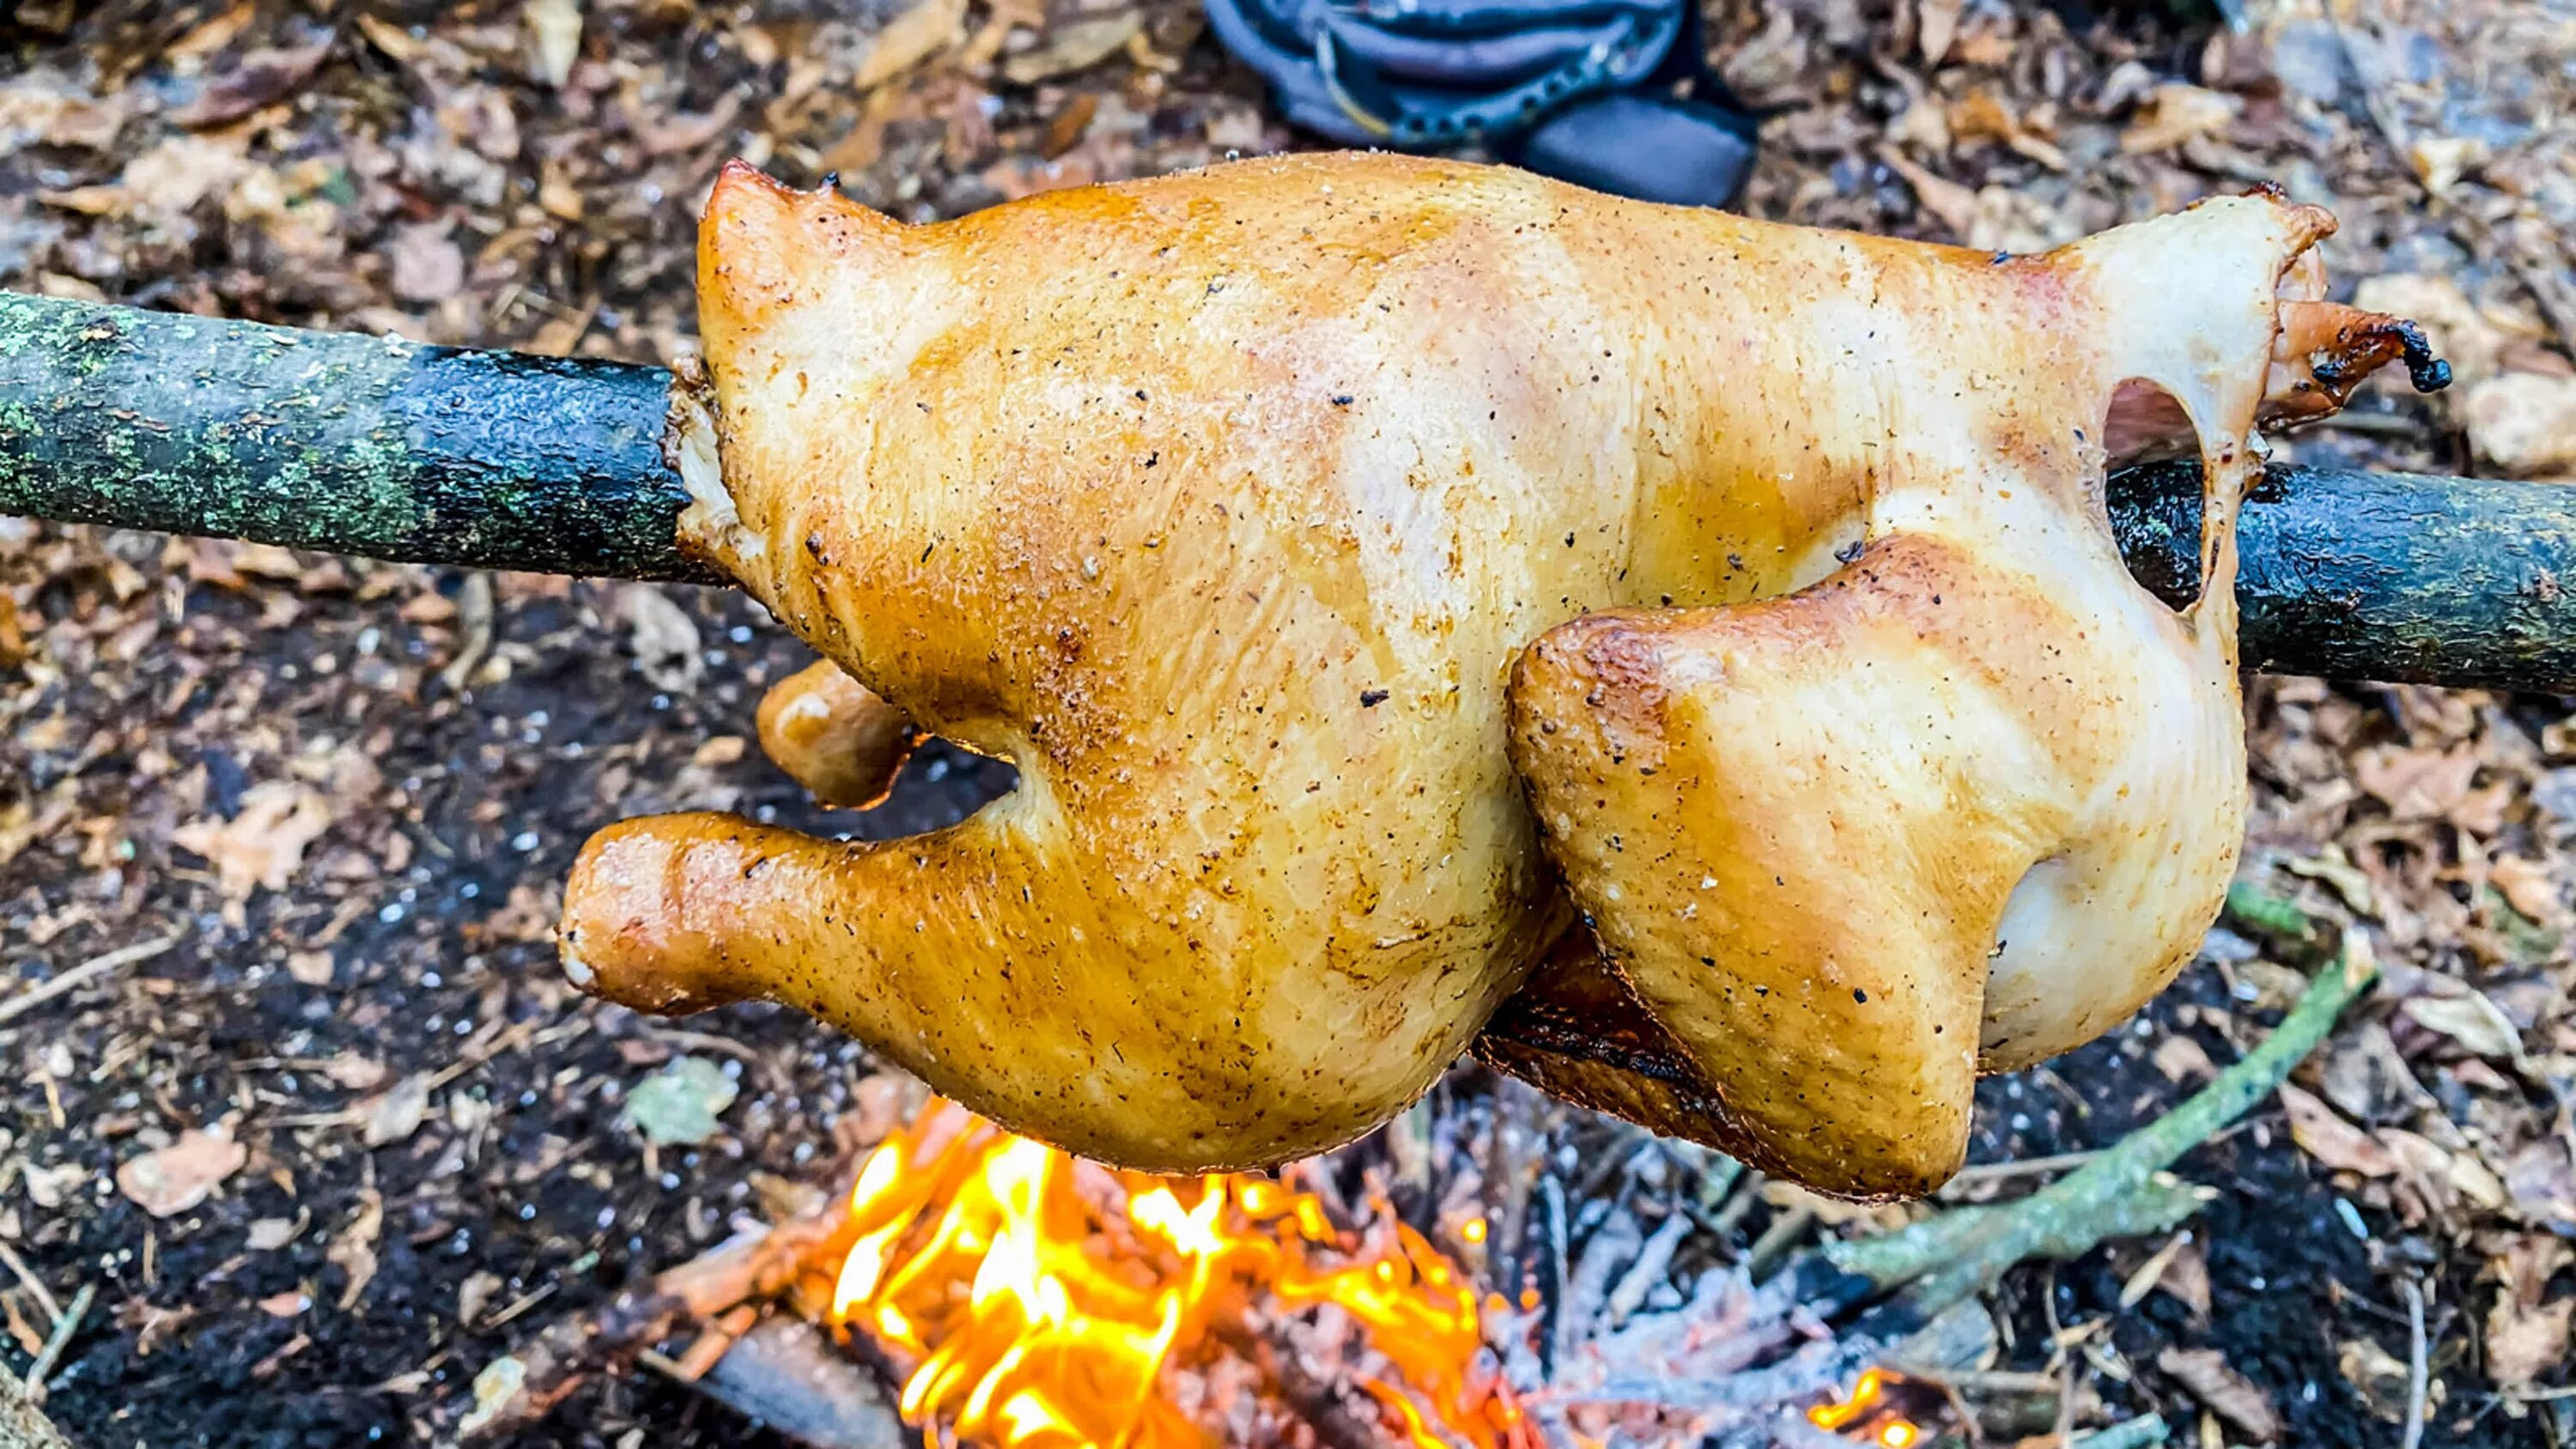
{"points": [[498, 460]]}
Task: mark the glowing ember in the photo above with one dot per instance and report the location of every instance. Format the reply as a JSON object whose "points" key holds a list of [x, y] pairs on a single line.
{"points": [[1038, 1299], [1878, 1422]]}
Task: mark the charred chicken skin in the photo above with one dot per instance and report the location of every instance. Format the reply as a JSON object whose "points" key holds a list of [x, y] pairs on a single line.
{"points": [[1384, 572]]}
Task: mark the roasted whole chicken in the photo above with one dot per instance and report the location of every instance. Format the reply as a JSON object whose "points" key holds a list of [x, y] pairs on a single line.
{"points": [[1412, 591]]}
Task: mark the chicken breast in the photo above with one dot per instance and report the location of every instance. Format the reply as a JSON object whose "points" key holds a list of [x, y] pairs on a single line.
{"points": [[1225, 506]]}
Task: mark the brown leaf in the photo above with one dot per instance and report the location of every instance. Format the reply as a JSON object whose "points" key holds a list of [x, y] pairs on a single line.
{"points": [[2183, 1060], [2542, 1184], [2186, 1277], [1954, 205], [2330, 1139], [353, 1071], [2368, 1079], [2527, 1336], [916, 35], [2477, 1024], [554, 35], [183, 1174], [2205, 1374], [2381, 1377], [394, 1114], [2523, 422], [663, 637], [2417, 784], [428, 266], [2174, 114], [2528, 886], [259, 848], [354, 1251], [286, 1304], [474, 1295], [263, 78], [1937, 25], [1072, 46]]}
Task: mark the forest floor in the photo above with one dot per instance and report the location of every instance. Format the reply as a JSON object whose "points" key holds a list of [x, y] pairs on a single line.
{"points": [[329, 1131]]}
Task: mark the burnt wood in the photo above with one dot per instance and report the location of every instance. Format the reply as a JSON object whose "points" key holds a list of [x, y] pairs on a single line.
{"points": [[388, 449]]}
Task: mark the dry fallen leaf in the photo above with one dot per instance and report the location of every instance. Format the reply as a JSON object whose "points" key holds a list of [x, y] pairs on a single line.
{"points": [[554, 34], [2381, 1377], [2541, 1180], [1937, 24], [2330, 1139], [663, 637], [357, 1073], [184, 1174], [2527, 1333], [394, 1114], [354, 1250], [428, 265], [474, 1295], [51, 1187], [2367, 1078], [2477, 1024], [2225, 1392], [2174, 114], [263, 78], [260, 847], [2529, 886], [1954, 204], [1072, 46], [916, 35], [2417, 784], [2183, 1060], [2523, 422]]}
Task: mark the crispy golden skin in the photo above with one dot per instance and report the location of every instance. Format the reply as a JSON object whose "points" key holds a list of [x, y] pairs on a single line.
{"points": [[1224, 504]]}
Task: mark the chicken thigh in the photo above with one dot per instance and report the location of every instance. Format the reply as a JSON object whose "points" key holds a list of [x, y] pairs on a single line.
{"points": [[1225, 505]]}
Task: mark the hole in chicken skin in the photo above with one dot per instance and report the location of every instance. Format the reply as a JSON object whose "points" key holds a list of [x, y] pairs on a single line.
{"points": [[2150, 440]]}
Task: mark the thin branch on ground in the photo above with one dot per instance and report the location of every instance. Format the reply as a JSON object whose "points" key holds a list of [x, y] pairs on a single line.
{"points": [[2071, 1215]]}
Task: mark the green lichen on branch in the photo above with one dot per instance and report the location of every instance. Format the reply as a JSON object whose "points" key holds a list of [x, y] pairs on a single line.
{"points": [[342, 442], [2118, 1193]]}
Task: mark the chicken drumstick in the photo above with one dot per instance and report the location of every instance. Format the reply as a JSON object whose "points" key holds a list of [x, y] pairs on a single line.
{"points": [[1225, 505]]}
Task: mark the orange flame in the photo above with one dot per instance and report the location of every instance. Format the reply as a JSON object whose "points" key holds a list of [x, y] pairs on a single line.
{"points": [[1884, 1427], [1039, 1298]]}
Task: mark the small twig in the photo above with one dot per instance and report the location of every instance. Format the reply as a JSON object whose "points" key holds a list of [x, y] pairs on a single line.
{"points": [[2069, 1216], [1777, 1239], [82, 975], [1892, 1260], [51, 1354], [2135, 1434], [1652, 1269], [740, 1271], [2415, 1366], [1977, 1172], [34, 1285]]}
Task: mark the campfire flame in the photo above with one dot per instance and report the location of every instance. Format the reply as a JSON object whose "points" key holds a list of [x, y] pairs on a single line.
{"points": [[1039, 1298], [1867, 1410]]}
